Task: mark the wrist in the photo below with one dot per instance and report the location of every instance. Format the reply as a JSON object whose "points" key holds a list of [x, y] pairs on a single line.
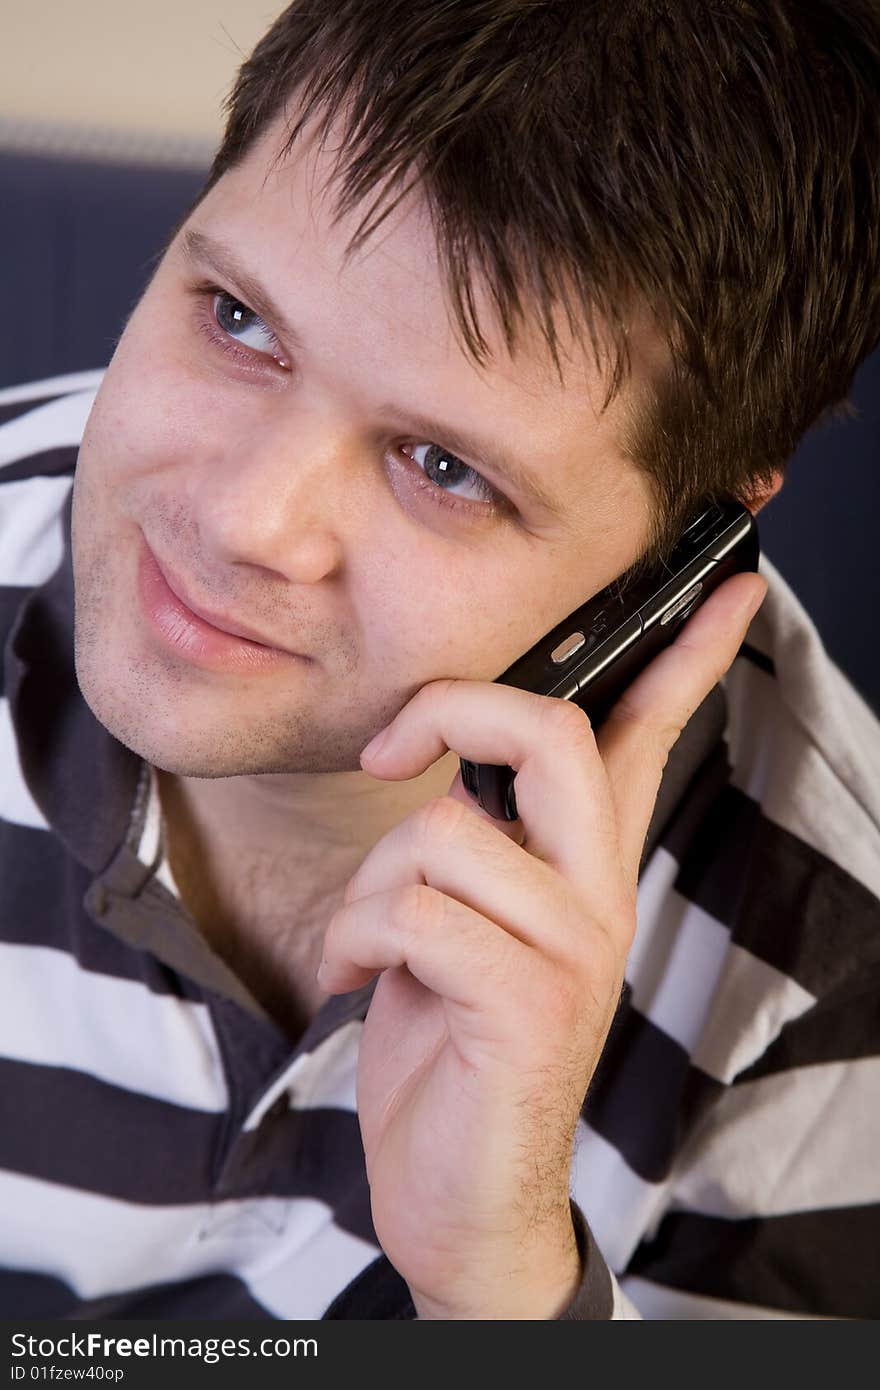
{"points": [[535, 1288]]}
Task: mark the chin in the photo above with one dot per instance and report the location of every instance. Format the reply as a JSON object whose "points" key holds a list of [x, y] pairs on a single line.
{"points": [[225, 751]]}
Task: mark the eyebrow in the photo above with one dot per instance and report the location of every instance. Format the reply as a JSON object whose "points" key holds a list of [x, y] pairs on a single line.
{"points": [[198, 246]]}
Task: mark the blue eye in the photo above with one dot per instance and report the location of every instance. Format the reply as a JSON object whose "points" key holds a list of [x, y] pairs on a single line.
{"points": [[234, 317], [450, 473], [225, 320]]}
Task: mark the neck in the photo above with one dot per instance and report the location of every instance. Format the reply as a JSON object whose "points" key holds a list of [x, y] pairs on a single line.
{"points": [[261, 863], [300, 819]]}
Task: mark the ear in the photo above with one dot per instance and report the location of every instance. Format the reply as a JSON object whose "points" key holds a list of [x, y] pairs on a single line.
{"points": [[757, 503]]}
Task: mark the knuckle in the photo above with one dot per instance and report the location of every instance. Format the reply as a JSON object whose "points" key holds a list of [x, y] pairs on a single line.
{"points": [[331, 932], [567, 722], [599, 944], [606, 955], [439, 820], [416, 908], [663, 731], [624, 711], [436, 693], [561, 996], [359, 883], [665, 736]]}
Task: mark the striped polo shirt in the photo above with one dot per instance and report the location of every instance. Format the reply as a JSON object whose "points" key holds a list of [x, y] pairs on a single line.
{"points": [[165, 1151]]}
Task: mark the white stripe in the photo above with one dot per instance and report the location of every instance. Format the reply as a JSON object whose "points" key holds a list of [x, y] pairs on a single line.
{"points": [[31, 531], [154, 840], [723, 1005], [622, 1307], [57, 424], [165, 876], [294, 1262], [321, 1078], [619, 1206], [656, 1301], [54, 1014], [52, 386], [804, 1140], [148, 846], [302, 1283], [805, 744], [677, 955], [16, 803], [327, 1076], [752, 1004]]}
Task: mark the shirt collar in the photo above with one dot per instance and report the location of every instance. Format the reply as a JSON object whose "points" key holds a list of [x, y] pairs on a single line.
{"points": [[82, 779]]}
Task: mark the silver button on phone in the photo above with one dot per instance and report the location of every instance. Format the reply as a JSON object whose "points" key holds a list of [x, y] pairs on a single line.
{"points": [[572, 644], [682, 603]]}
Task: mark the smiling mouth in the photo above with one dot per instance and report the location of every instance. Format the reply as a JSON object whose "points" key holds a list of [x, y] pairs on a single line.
{"points": [[203, 639], [231, 626]]}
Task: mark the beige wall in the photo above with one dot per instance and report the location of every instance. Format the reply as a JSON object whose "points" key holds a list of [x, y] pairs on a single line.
{"points": [[151, 71]]}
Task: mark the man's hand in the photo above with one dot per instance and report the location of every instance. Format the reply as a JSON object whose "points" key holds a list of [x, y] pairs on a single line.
{"points": [[502, 949]]}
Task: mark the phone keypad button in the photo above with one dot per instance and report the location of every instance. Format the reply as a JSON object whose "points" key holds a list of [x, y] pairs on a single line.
{"points": [[567, 648]]}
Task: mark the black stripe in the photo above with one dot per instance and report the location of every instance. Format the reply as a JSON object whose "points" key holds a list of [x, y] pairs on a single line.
{"points": [[43, 892], [62, 1126], [46, 463], [703, 791], [316, 1153], [377, 1292], [824, 1263], [843, 1027], [757, 658], [714, 841], [639, 1060], [693, 763], [781, 899], [594, 1299], [24, 1294], [11, 410], [11, 599], [255, 1055]]}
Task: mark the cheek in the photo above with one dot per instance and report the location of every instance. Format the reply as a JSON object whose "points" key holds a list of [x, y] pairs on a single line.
{"points": [[127, 421], [427, 613], [149, 405], [141, 428]]}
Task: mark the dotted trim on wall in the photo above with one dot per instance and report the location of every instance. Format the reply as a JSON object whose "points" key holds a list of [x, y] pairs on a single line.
{"points": [[98, 142]]}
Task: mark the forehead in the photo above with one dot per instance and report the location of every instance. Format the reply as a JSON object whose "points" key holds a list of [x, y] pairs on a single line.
{"points": [[295, 197]]}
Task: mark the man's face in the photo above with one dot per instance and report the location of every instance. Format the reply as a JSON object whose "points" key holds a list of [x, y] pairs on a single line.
{"points": [[289, 484]]}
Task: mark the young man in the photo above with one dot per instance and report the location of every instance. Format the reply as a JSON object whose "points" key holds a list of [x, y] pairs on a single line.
{"points": [[292, 1028]]}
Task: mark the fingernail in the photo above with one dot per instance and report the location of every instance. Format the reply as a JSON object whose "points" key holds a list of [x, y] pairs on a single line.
{"points": [[375, 745]]}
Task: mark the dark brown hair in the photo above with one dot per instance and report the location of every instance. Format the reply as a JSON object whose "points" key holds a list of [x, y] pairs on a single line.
{"points": [[716, 162]]}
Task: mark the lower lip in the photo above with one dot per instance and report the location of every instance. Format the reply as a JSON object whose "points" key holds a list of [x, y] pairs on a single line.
{"points": [[199, 642]]}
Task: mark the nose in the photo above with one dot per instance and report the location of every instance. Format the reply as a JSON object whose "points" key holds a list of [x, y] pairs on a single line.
{"points": [[278, 495]]}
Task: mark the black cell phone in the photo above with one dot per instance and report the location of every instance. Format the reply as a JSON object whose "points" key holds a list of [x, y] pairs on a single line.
{"points": [[602, 646]]}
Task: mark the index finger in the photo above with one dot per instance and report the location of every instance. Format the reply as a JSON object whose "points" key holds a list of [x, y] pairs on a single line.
{"points": [[562, 792]]}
